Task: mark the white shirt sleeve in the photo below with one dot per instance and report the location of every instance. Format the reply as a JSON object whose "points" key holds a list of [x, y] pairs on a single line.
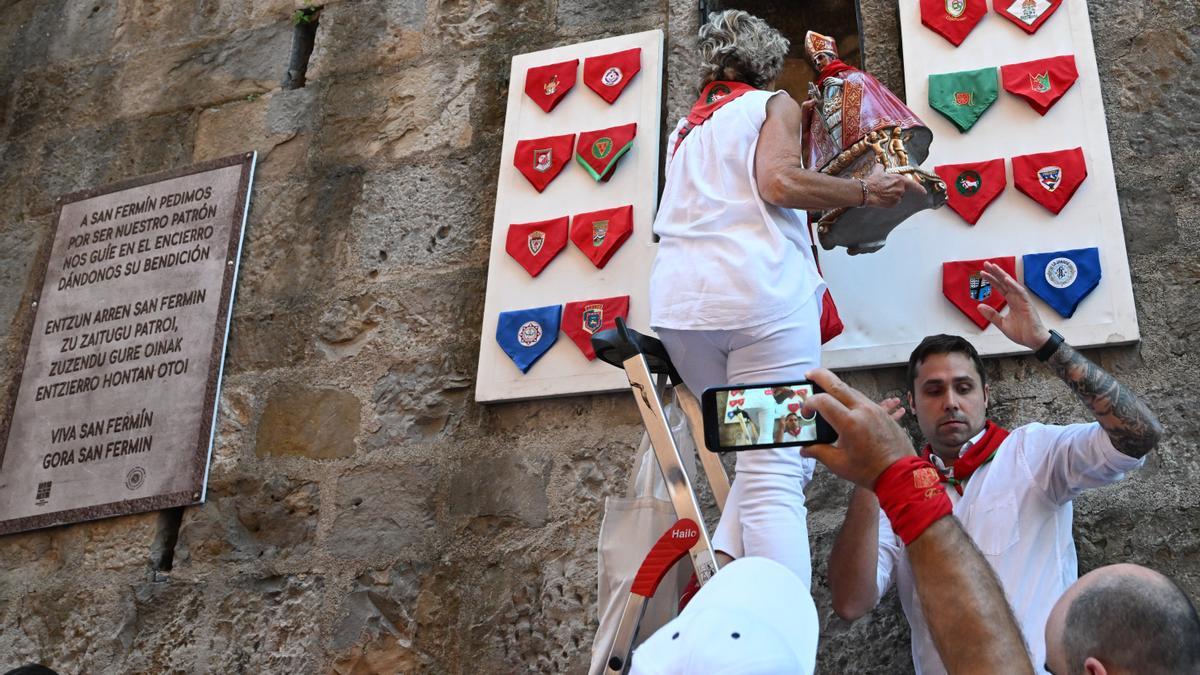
{"points": [[1066, 460], [888, 559]]}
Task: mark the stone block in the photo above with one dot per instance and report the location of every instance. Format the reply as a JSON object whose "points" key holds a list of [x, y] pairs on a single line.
{"points": [[295, 237], [250, 519], [500, 489], [425, 214], [378, 622], [345, 327], [420, 400], [234, 128], [385, 512], [267, 339], [60, 97], [157, 23], [411, 112], [474, 23], [243, 63], [305, 422], [355, 36], [603, 15], [98, 156]]}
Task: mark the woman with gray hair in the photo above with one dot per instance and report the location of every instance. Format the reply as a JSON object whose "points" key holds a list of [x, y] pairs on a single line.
{"points": [[735, 294]]}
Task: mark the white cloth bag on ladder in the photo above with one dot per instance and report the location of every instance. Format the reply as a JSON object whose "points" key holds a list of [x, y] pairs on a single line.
{"points": [[631, 526]]}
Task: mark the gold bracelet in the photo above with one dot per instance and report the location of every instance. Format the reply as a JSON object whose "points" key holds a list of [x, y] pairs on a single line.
{"points": [[866, 191]]}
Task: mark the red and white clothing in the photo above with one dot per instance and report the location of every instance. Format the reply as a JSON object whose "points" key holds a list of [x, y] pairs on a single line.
{"points": [[726, 259], [736, 299], [1017, 509]]}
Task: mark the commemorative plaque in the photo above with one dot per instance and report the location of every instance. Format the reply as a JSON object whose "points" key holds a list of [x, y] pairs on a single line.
{"points": [[114, 409]]}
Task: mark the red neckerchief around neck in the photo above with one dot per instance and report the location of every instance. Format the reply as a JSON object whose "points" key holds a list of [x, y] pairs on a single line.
{"points": [[980, 453], [712, 97], [833, 68]]}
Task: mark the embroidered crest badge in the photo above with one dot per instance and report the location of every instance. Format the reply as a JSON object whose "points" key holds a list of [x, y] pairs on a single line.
{"points": [[1061, 272], [612, 77], [968, 183], [925, 478], [593, 318], [536, 239], [1040, 82], [979, 287], [1050, 177], [956, 8], [610, 74], [963, 98], [599, 232], [543, 159], [602, 147], [718, 92], [551, 86], [529, 334], [1028, 11]]}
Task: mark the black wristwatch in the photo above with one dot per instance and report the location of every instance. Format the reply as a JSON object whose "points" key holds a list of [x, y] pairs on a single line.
{"points": [[1047, 350]]}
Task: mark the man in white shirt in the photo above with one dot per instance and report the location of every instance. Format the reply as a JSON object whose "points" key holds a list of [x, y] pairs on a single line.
{"points": [[1012, 491]]}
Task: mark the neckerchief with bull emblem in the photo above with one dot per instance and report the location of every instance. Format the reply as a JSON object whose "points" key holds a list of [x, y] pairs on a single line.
{"points": [[1028, 15], [581, 320], [600, 233], [534, 245], [952, 19], [981, 452], [964, 96], [965, 288], [713, 96], [1050, 178], [1063, 278], [527, 334], [547, 85], [609, 74], [1042, 82], [972, 186], [540, 160], [598, 151]]}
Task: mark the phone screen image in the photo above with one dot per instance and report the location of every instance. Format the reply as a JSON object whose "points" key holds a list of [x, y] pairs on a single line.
{"points": [[744, 418]]}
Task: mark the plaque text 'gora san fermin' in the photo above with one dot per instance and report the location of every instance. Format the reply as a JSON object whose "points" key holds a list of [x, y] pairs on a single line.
{"points": [[113, 410]]}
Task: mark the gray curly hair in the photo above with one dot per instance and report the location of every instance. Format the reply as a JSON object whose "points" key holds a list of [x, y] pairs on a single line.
{"points": [[740, 47]]}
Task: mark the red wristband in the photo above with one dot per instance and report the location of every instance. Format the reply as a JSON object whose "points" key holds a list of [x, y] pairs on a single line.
{"points": [[911, 494]]}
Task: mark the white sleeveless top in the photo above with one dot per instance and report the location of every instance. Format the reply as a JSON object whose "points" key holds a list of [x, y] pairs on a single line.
{"points": [[726, 259]]}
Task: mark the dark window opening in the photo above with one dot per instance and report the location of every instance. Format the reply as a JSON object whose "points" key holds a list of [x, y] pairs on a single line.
{"points": [[835, 18]]}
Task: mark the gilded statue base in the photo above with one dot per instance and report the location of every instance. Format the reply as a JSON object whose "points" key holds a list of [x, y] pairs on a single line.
{"points": [[864, 229]]}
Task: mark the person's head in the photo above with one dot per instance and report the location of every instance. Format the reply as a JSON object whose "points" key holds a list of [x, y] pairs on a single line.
{"points": [[737, 46], [1123, 619], [948, 391], [792, 422]]}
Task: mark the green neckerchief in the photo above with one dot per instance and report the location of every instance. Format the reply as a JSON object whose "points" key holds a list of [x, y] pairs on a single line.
{"points": [[964, 96]]}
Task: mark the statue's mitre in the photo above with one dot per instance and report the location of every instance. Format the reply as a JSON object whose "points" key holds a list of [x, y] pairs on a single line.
{"points": [[815, 43]]}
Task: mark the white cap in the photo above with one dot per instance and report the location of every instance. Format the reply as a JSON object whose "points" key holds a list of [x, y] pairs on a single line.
{"points": [[753, 617]]}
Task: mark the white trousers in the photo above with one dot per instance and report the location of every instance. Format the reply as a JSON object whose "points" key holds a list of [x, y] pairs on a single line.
{"points": [[765, 513]]}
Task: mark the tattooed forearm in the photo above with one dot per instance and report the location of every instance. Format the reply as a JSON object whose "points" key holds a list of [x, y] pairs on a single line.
{"points": [[1134, 430]]}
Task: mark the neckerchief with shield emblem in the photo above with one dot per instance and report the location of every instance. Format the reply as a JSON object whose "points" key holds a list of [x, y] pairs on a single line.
{"points": [[1042, 82], [598, 151], [534, 245], [609, 74], [952, 19], [1050, 178], [980, 453], [964, 286]]}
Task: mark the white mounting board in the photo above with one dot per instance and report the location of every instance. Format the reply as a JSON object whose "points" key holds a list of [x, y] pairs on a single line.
{"points": [[571, 276], [891, 299]]}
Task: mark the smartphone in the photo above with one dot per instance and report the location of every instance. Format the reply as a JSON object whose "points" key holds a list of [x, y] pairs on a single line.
{"points": [[757, 416]]}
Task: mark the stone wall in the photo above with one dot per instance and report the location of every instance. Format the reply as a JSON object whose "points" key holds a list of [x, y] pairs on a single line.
{"points": [[364, 514]]}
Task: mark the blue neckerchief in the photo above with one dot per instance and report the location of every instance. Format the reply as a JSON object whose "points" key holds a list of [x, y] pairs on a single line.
{"points": [[1063, 278], [526, 334]]}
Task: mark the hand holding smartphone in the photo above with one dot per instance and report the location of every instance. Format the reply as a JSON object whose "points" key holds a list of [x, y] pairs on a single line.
{"points": [[754, 417]]}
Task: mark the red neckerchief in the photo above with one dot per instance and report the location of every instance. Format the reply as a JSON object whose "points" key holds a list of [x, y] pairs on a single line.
{"points": [[712, 97], [980, 453], [835, 67]]}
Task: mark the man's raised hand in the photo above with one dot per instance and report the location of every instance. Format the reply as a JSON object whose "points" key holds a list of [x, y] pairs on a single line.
{"points": [[869, 440], [1023, 325]]}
